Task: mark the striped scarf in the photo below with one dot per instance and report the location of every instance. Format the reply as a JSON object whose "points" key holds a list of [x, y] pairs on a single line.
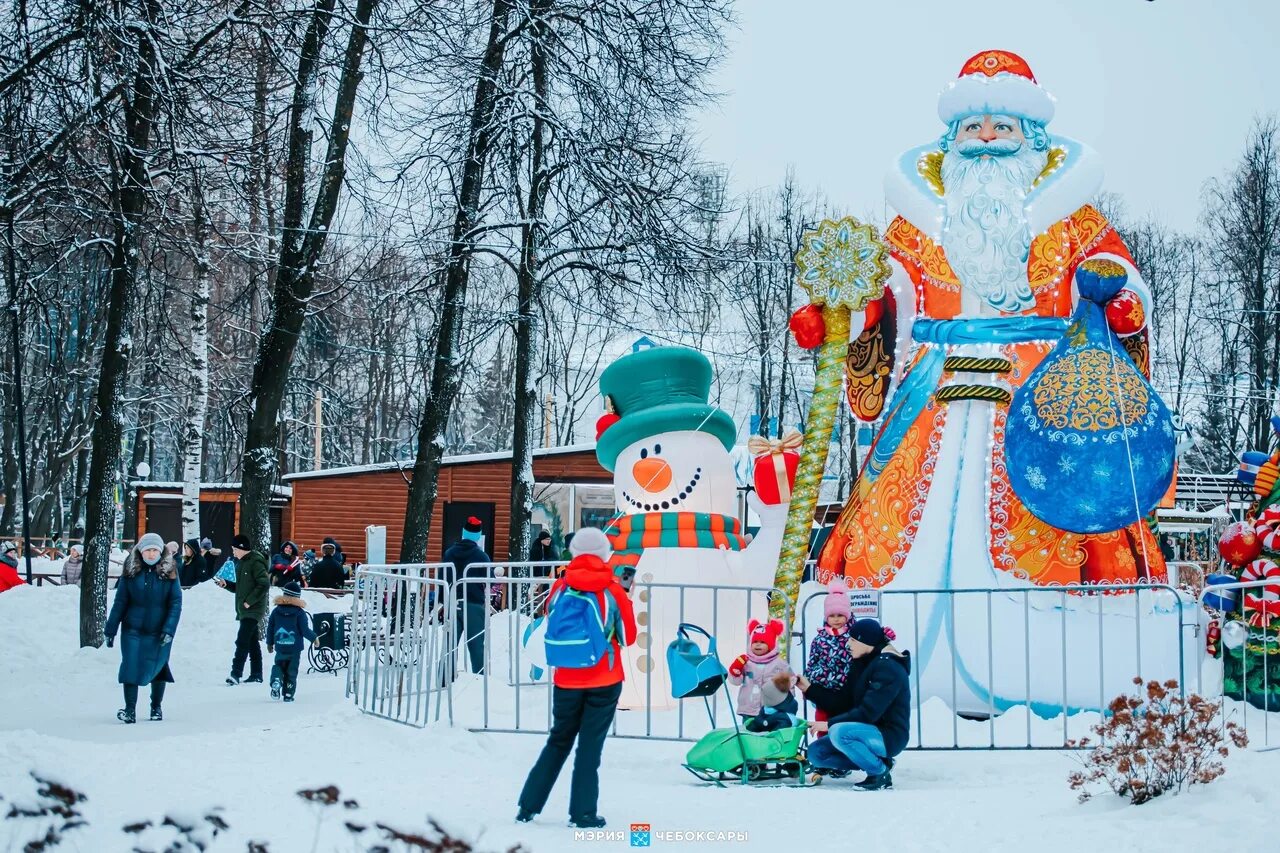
{"points": [[631, 534]]}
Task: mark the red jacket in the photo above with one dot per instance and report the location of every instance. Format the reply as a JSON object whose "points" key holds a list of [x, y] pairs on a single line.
{"points": [[9, 578], [588, 573]]}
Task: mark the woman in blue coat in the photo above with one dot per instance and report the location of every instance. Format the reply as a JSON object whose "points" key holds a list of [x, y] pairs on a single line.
{"points": [[147, 607]]}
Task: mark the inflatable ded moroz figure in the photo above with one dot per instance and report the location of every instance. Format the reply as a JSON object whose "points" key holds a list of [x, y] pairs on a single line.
{"points": [[1020, 444]]}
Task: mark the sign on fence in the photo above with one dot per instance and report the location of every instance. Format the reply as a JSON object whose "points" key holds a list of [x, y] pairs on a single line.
{"points": [[864, 604]]}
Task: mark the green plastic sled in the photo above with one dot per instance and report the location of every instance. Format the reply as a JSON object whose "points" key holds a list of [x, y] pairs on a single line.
{"points": [[734, 755]]}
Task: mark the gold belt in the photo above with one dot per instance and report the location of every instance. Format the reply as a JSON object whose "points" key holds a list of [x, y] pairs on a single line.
{"points": [[967, 364], [990, 393]]}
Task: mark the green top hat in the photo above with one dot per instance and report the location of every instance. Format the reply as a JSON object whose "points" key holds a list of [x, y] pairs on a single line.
{"points": [[657, 390]]}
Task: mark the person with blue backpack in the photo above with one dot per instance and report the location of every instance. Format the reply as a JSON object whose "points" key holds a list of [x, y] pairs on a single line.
{"points": [[589, 621], [287, 628]]}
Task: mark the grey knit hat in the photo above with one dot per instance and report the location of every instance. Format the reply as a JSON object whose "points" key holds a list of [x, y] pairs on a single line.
{"points": [[150, 540], [591, 540]]}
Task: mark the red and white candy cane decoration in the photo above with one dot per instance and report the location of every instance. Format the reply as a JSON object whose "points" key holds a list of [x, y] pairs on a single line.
{"points": [[1263, 570], [1267, 528]]}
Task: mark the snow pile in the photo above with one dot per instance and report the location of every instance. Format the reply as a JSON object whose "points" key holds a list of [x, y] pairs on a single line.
{"points": [[232, 752]]}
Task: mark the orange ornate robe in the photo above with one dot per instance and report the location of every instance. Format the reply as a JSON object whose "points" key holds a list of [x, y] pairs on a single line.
{"points": [[890, 513]]}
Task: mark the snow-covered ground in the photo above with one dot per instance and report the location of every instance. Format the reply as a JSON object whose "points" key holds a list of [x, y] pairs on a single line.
{"points": [[231, 747]]}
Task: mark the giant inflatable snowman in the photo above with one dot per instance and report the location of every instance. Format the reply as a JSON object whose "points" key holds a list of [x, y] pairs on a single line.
{"points": [[676, 525]]}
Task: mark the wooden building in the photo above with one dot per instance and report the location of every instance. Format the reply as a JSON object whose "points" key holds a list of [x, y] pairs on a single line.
{"points": [[571, 490], [159, 506]]}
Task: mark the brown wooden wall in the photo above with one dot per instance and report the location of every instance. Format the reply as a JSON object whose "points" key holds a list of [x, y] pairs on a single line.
{"points": [[231, 496], [342, 505]]}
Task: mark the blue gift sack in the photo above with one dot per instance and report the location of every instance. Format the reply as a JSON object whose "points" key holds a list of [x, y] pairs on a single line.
{"points": [[227, 572], [1224, 600], [693, 672], [1089, 443]]}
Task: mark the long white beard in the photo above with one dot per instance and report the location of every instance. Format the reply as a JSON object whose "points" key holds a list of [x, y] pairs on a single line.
{"points": [[986, 235]]}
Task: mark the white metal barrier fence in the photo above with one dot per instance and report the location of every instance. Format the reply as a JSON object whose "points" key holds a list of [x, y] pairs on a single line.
{"points": [[1028, 668], [513, 693], [401, 636], [413, 633]]}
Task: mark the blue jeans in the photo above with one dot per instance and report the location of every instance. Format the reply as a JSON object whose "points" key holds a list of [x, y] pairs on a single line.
{"points": [[849, 746]]}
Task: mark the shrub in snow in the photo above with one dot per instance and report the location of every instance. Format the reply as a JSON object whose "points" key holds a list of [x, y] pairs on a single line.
{"points": [[44, 821], [1154, 743]]}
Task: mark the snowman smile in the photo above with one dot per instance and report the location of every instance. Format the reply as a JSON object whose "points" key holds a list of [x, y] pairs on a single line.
{"points": [[655, 505]]}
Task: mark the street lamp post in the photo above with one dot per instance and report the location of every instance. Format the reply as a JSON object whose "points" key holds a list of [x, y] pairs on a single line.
{"points": [[22, 435]]}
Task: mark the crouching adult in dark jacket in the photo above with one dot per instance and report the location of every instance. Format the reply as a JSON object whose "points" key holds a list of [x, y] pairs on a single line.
{"points": [[146, 610], [473, 598], [869, 714], [584, 701]]}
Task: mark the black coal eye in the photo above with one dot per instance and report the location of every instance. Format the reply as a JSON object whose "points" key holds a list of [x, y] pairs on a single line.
{"points": [[644, 452], [657, 448]]}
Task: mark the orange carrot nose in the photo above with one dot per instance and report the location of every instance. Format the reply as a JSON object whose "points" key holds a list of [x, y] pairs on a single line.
{"points": [[653, 474]]}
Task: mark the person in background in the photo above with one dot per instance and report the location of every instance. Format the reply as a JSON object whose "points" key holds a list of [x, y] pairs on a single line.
{"points": [[337, 549], [543, 551], [250, 587], [287, 566], [328, 572], [147, 606], [288, 628], [309, 559], [9, 577], [584, 700], [473, 602], [193, 565], [212, 558], [73, 567]]}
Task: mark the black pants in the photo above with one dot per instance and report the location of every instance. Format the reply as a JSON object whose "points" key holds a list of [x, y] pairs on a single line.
{"points": [[585, 716], [474, 613], [247, 646], [157, 693], [285, 671]]}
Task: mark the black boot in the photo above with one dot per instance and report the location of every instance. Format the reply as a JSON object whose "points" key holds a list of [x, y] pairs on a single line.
{"points": [[254, 679], [587, 821], [233, 680], [523, 816], [126, 715], [876, 782], [155, 713]]}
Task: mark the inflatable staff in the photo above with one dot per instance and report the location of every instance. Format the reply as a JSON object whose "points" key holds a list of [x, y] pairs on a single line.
{"points": [[843, 267], [1019, 446], [1246, 630]]}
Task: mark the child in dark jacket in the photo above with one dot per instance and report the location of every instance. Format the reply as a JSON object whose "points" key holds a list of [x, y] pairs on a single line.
{"points": [[829, 655], [287, 628]]}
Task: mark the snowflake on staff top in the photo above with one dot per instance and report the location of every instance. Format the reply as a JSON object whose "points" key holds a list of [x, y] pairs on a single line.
{"points": [[842, 263]]}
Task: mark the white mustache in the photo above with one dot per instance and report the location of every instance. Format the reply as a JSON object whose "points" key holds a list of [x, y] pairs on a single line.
{"points": [[996, 147]]}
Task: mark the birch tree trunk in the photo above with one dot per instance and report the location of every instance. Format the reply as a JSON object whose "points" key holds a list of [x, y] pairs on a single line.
{"points": [[198, 364], [446, 374], [529, 289]]}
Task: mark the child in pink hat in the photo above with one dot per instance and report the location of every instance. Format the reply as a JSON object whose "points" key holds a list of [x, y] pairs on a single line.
{"points": [[829, 657]]}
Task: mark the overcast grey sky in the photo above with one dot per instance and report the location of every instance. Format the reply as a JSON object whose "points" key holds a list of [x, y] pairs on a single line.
{"points": [[1165, 90]]}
